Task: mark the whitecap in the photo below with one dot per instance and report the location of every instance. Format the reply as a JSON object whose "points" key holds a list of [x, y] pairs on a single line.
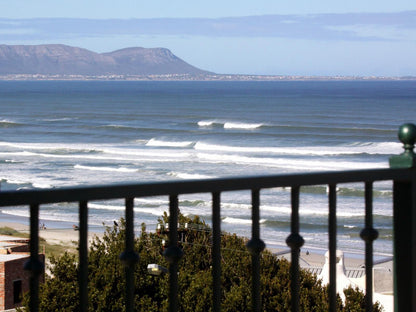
{"points": [[292, 164], [58, 119], [189, 176], [42, 185], [240, 221], [237, 125], [205, 123], [155, 142], [352, 149], [97, 168], [105, 207]]}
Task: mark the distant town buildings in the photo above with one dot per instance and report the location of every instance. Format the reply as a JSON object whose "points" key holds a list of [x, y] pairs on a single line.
{"points": [[192, 77]]}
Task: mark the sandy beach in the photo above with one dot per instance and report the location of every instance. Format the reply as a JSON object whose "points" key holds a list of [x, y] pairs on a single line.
{"points": [[54, 236], [64, 233]]}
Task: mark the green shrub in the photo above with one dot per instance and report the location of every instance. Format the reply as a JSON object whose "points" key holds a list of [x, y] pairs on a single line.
{"points": [[107, 281]]}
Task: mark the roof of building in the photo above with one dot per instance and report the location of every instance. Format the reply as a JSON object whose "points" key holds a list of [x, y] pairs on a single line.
{"points": [[7, 238], [10, 257]]}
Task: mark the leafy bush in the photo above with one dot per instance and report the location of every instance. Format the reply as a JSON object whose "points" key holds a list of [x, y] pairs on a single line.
{"points": [[107, 281]]}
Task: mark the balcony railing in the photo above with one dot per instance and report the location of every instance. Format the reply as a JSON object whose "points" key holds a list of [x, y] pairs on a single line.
{"points": [[402, 172]]}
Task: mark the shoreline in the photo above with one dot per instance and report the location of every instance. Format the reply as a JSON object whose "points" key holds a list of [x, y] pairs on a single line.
{"points": [[58, 232], [21, 224]]}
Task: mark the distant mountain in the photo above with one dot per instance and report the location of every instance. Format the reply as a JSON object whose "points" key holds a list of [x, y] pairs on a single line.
{"points": [[51, 59]]}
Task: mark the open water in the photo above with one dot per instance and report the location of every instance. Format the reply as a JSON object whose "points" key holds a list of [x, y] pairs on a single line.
{"points": [[57, 134]]}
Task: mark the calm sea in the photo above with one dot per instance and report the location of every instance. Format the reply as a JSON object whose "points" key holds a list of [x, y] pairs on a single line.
{"points": [[57, 134]]}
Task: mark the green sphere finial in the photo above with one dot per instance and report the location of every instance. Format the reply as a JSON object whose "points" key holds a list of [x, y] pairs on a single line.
{"points": [[407, 135]]}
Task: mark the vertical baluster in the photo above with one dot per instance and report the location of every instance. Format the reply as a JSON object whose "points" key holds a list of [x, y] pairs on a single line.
{"points": [[173, 253], [83, 256], [332, 231], [129, 257], [255, 246], [34, 265], [295, 241], [216, 251], [369, 234], [404, 223]]}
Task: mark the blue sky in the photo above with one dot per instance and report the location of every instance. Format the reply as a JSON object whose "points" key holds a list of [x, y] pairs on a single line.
{"points": [[356, 37]]}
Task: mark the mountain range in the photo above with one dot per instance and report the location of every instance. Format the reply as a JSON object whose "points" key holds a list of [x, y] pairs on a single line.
{"points": [[59, 59]]}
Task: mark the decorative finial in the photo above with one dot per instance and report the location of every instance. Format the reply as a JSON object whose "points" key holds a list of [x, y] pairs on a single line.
{"points": [[407, 135]]}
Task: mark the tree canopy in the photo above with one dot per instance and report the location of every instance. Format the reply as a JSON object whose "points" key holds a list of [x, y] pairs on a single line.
{"points": [[107, 278]]}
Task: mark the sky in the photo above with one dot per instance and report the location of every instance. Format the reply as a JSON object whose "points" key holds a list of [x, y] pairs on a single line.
{"points": [[264, 37]]}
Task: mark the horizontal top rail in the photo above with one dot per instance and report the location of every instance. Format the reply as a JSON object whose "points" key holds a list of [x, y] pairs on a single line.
{"points": [[105, 192]]}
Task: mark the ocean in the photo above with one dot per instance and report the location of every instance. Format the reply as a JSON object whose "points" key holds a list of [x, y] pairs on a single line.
{"points": [[66, 133]]}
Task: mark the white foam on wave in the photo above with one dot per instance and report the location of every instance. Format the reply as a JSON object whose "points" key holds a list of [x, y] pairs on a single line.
{"points": [[239, 125], [155, 142], [350, 226], [10, 161], [14, 212], [106, 207], [292, 164], [286, 210], [238, 206], [153, 211], [59, 119], [377, 147], [115, 126], [159, 154], [233, 220], [361, 148], [42, 185], [69, 147], [111, 169], [14, 181], [67, 217], [6, 121], [24, 153], [318, 211], [206, 123], [190, 176], [229, 124], [110, 155], [39, 183], [151, 201]]}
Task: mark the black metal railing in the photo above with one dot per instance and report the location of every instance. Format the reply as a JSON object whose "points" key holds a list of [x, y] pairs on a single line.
{"points": [[402, 173]]}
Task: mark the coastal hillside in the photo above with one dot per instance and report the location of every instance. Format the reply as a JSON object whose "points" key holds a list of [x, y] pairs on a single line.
{"points": [[58, 59]]}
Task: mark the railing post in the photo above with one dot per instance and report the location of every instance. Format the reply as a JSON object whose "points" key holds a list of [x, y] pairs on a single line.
{"points": [[404, 224], [83, 256], [129, 257], [332, 231], [33, 265], [173, 253], [295, 241], [369, 234], [216, 252], [255, 247]]}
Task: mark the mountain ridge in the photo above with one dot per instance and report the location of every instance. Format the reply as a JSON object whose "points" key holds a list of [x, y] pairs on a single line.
{"points": [[60, 59]]}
